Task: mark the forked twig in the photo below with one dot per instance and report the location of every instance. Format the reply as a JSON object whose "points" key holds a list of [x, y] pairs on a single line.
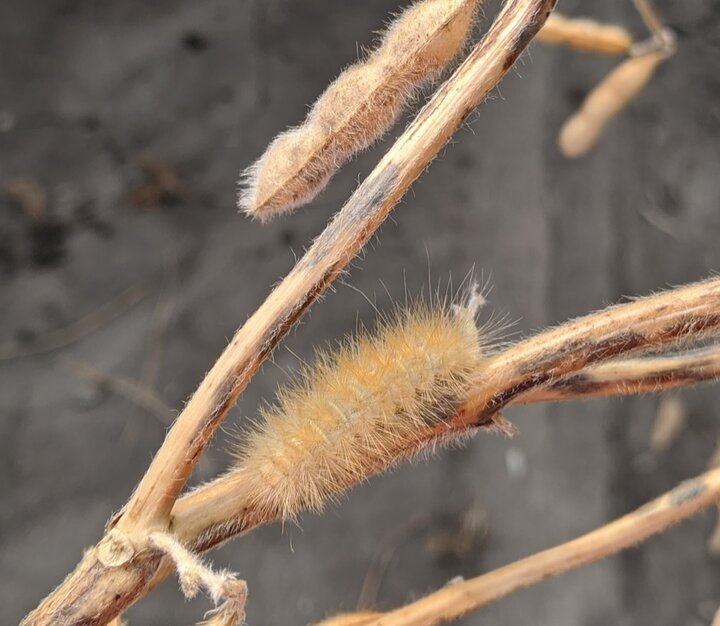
{"points": [[632, 376], [219, 510], [458, 599], [99, 589], [652, 20], [686, 314]]}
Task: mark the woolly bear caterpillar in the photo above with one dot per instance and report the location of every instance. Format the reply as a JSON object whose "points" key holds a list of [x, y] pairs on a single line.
{"points": [[377, 399], [586, 35], [358, 108], [606, 101]]}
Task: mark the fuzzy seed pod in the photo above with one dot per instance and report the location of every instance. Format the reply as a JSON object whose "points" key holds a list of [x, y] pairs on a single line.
{"points": [[358, 108], [585, 35], [606, 101], [360, 409]]}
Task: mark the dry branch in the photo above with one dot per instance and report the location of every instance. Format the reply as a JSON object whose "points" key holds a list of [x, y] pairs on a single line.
{"points": [[458, 599], [127, 388], [686, 314], [100, 588], [632, 376], [77, 330]]}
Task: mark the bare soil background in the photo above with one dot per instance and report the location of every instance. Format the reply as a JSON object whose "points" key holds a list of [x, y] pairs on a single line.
{"points": [[91, 90]]}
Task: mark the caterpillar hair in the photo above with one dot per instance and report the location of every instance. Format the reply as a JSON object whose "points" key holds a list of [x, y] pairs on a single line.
{"points": [[358, 410], [358, 108], [585, 35]]}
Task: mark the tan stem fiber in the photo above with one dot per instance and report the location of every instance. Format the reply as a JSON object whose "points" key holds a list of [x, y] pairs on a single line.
{"points": [[454, 601], [586, 35], [632, 376], [99, 589], [582, 131]]}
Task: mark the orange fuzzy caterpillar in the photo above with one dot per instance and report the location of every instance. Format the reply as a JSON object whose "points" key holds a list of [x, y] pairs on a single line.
{"points": [[358, 108], [360, 409], [585, 35]]}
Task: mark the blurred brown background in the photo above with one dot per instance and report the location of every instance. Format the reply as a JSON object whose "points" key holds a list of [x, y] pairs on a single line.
{"points": [[134, 119]]}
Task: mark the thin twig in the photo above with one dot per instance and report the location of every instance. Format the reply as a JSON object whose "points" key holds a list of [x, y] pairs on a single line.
{"points": [[650, 17], [127, 388], [63, 337], [632, 376], [663, 39], [461, 598], [97, 591], [162, 314], [685, 314], [382, 558]]}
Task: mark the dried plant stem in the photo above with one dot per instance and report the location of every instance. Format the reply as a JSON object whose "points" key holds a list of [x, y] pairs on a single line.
{"points": [[632, 376], [329, 255], [220, 509], [461, 598], [77, 330], [97, 591], [127, 388], [685, 314], [651, 18]]}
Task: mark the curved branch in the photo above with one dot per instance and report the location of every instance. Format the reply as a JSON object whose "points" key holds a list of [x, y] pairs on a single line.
{"points": [[86, 596], [632, 376], [459, 599]]}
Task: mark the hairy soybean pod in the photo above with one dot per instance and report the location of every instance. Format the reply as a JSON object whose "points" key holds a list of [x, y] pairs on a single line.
{"points": [[585, 35], [606, 101], [358, 108]]}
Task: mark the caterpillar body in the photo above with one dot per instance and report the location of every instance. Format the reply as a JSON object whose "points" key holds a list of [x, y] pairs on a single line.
{"points": [[359, 410], [358, 108]]}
